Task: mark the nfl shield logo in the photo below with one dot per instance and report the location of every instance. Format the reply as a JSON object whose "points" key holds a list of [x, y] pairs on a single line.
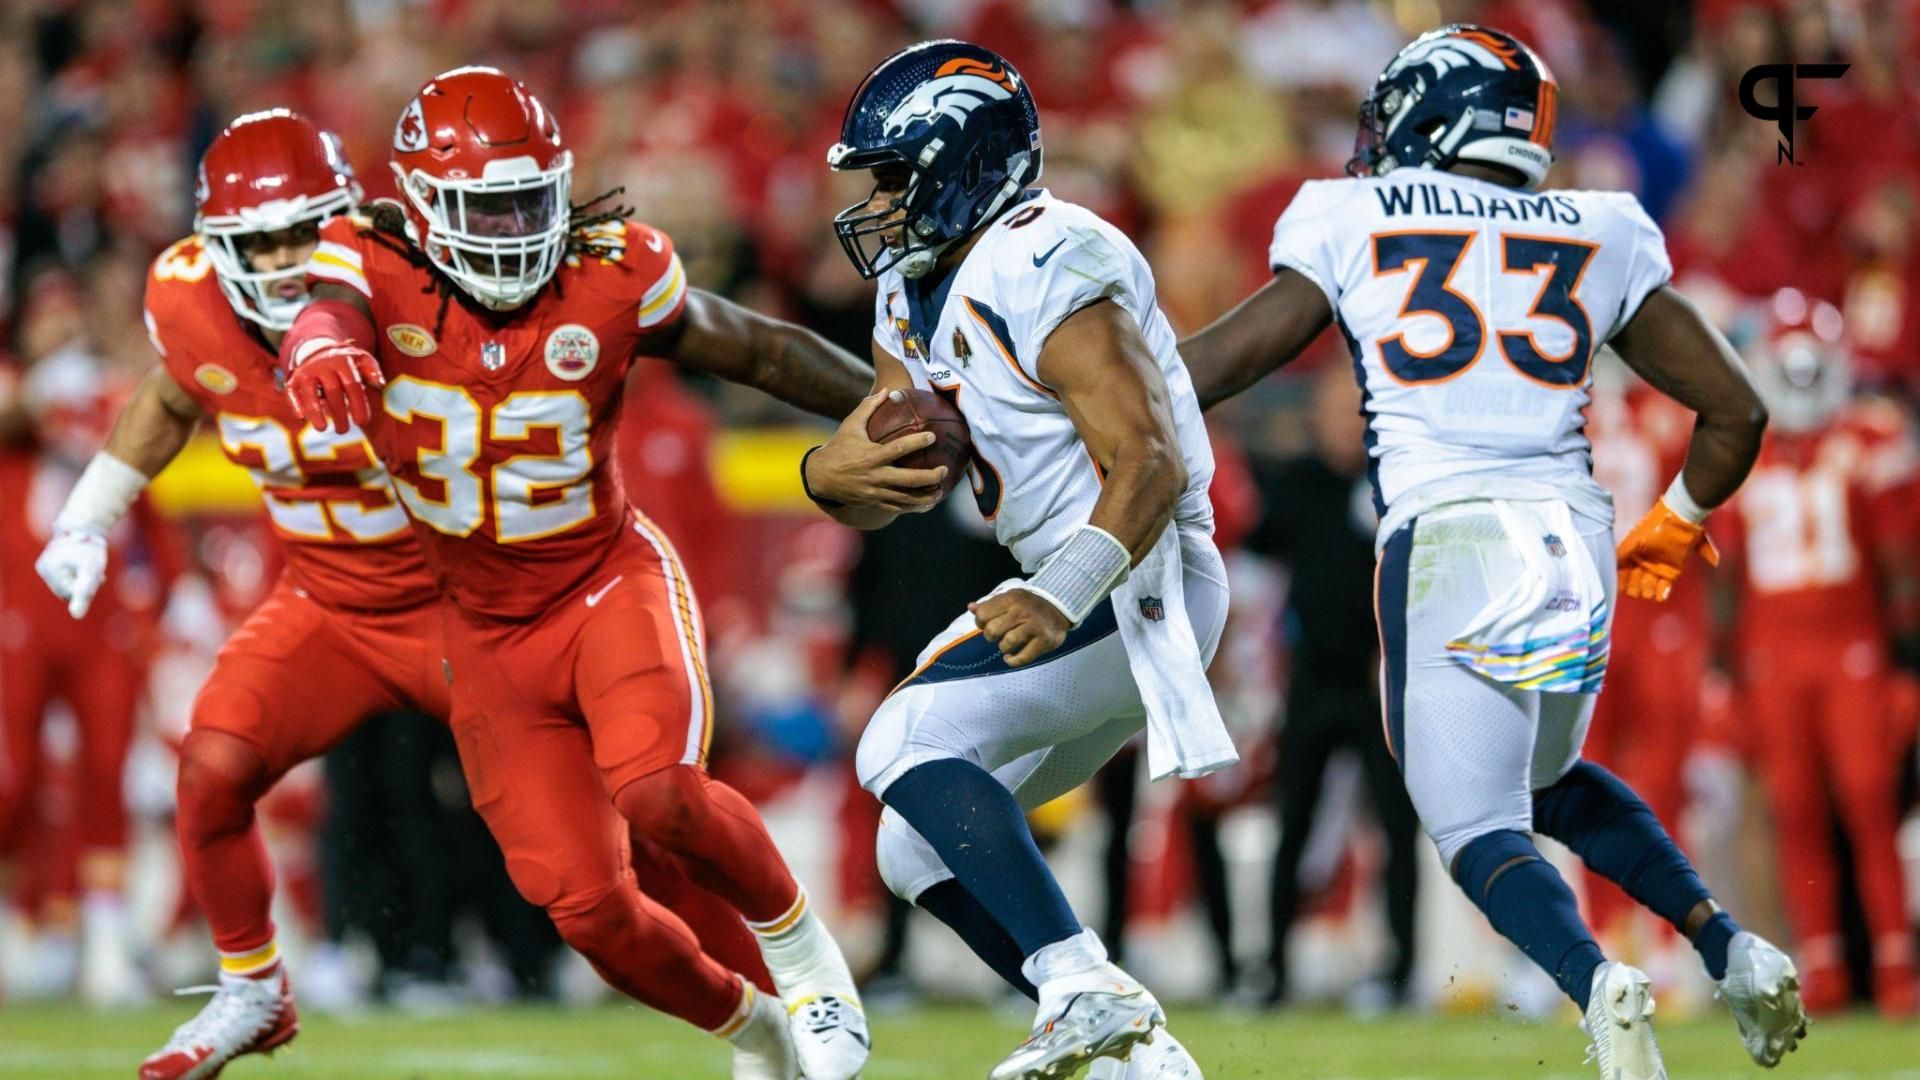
{"points": [[1555, 547], [493, 356], [1152, 609]]}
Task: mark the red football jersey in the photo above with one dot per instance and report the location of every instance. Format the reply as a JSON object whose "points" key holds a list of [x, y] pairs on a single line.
{"points": [[499, 427], [346, 539], [1815, 516]]}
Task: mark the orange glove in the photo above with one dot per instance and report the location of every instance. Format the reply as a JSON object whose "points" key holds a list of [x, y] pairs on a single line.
{"points": [[1653, 553]]}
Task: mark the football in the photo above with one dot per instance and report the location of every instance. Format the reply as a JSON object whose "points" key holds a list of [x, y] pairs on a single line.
{"points": [[909, 412]]}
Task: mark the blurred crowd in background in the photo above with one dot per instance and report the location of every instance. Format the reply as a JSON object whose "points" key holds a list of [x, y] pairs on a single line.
{"points": [[1189, 123]]}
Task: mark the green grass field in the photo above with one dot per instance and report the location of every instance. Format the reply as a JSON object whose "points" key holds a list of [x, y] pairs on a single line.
{"points": [[64, 1043]]}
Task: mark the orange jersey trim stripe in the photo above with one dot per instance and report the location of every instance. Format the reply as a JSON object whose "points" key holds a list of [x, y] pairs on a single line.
{"points": [[935, 658]]}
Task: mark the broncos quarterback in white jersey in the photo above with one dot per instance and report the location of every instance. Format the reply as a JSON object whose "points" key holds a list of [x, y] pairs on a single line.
{"points": [[1039, 321], [1473, 304]]}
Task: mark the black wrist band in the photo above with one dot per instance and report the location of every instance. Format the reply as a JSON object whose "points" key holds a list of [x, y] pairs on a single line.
{"points": [[824, 504]]}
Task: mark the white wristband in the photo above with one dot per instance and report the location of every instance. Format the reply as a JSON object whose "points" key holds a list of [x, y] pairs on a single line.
{"points": [[307, 348], [1081, 574], [102, 494], [1680, 501]]}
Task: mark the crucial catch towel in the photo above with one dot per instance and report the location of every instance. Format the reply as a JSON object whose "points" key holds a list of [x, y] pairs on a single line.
{"points": [[1548, 630]]}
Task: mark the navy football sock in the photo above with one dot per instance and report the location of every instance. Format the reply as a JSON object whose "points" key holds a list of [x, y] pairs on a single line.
{"points": [[1712, 941], [952, 904], [1596, 814], [976, 827], [1529, 903]]}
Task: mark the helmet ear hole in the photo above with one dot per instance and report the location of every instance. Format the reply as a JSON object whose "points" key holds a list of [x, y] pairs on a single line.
{"points": [[970, 175]]}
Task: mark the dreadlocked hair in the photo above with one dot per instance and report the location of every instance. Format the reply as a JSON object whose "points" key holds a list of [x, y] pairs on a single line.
{"points": [[584, 218]]}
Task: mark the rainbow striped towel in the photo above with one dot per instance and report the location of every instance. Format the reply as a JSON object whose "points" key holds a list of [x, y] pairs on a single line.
{"points": [[1549, 630]]}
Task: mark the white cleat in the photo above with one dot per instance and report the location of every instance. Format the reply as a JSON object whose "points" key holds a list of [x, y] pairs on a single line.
{"points": [[824, 1014], [763, 1047], [1762, 988], [1161, 1058], [246, 1016], [1620, 1021], [1108, 1018]]}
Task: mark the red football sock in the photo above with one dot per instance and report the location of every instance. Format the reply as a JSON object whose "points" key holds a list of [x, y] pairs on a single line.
{"points": [[222, 854], [723, 934], [719, 838]]}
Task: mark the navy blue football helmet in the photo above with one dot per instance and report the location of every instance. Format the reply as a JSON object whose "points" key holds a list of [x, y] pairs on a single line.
{"points": [[1460, 93], [960, 125]]}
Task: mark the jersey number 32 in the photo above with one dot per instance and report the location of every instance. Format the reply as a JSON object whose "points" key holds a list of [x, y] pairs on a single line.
{"points": [[533, 494]]}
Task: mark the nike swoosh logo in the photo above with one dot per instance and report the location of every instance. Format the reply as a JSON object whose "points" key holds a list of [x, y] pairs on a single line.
{"points": [[1041, 260], [594, 596], [655, 243]]}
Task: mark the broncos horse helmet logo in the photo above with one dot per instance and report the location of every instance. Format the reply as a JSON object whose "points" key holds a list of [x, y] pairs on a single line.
{"points": [[958, 88], [1463, 48]]}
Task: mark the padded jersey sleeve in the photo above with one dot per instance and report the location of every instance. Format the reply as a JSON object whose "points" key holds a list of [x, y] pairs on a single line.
{"points": [[1303, 238], [167, 307], [341, 259], [1050, 269], [664, 295], [1648, 267]]}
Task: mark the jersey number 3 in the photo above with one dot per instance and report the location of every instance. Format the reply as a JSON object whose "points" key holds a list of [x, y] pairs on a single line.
{"points": [[1432, 258]]}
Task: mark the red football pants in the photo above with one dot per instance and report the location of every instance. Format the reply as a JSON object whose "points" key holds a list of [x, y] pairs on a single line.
{"points": [[1827, 743], [291, 682], [93, 665], [595, 717]]}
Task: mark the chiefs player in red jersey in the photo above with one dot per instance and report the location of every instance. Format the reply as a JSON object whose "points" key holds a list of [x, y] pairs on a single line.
{"points": [[356, 605], [1826, 538], [355, 602], [1639, 439], [502, 322], [52, 415]]}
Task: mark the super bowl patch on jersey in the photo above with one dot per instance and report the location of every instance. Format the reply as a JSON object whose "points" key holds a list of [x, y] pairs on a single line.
{"points": [[572, 352], [412, 340], [216, 379]]}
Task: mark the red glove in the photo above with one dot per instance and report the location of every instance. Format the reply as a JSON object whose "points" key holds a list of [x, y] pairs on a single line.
{"points": [[328, 383], [1653, 553]]}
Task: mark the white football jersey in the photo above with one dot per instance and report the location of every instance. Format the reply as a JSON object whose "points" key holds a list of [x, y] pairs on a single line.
{"points": [[976, 336], [1473, 311]]}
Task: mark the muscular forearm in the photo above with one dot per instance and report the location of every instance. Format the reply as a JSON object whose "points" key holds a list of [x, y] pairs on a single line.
{"points": [[1722, 452], [151, 429], [1261, 335], [1677, 350], [1138, 494], [1223, 362], [805, 370]]}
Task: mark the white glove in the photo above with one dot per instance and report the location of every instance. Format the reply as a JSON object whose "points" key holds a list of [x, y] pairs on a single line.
{"points": [[73, 565]]}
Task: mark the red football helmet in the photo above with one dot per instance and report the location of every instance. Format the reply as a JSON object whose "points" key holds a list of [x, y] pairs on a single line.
{"points": [[487, 183], [1801, 364], [266, 172]]}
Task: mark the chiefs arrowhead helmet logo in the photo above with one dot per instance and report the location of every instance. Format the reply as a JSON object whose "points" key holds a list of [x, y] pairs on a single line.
{"points": [[411, 133]]}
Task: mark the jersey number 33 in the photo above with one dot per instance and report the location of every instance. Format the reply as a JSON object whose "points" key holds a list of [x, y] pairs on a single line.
{"points": [[1431, 258]]}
